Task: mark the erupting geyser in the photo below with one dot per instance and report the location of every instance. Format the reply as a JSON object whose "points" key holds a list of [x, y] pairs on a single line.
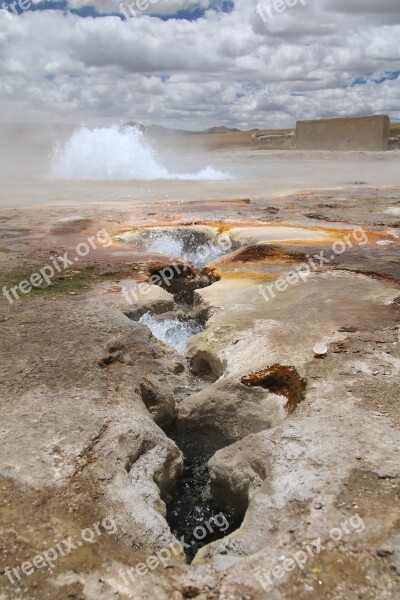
{"points": [[112, 153]]}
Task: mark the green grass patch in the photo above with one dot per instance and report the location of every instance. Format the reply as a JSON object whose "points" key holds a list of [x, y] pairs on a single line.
{"points": [[61, 284]]}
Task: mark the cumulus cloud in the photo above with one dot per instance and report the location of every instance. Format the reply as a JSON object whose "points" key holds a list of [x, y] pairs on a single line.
{"points": [[327, 58]]}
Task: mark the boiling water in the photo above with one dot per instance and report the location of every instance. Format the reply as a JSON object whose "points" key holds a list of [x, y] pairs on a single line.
{"points": [[174, 332], [111, 153], [165, 244], [190, 250]]}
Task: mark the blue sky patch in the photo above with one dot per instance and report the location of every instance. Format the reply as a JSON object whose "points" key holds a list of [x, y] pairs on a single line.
{"points": [[61, 5], [90, 11], [197, 12], [374, 77], [187, 15]]}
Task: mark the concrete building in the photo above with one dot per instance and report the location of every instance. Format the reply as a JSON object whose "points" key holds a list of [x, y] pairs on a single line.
{"points": [[350, 133]]}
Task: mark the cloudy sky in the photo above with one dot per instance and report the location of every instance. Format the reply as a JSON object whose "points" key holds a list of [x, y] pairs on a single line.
{"points": [[198, 63]]}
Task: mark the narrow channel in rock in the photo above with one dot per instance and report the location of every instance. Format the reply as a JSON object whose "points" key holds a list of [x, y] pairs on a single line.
{"points": [[193, 516], [191, 513]]}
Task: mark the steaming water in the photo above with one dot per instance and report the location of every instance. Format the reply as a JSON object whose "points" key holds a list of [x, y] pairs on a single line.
{"points": [[114, 154], [204, 254], [165, 244], [174, 332], [189, 250]]}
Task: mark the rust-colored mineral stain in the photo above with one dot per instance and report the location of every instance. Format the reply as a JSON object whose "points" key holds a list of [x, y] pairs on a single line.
{"points": [[266, 252], [281, 380], [212, 273]]}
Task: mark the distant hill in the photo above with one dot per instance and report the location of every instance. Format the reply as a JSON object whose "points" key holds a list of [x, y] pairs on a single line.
{"points": [[159, 129], [221, 129], [156, 130]]}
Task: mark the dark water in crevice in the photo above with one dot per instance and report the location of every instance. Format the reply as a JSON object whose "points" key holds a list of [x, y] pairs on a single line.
{"points": [[188, 514]]}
